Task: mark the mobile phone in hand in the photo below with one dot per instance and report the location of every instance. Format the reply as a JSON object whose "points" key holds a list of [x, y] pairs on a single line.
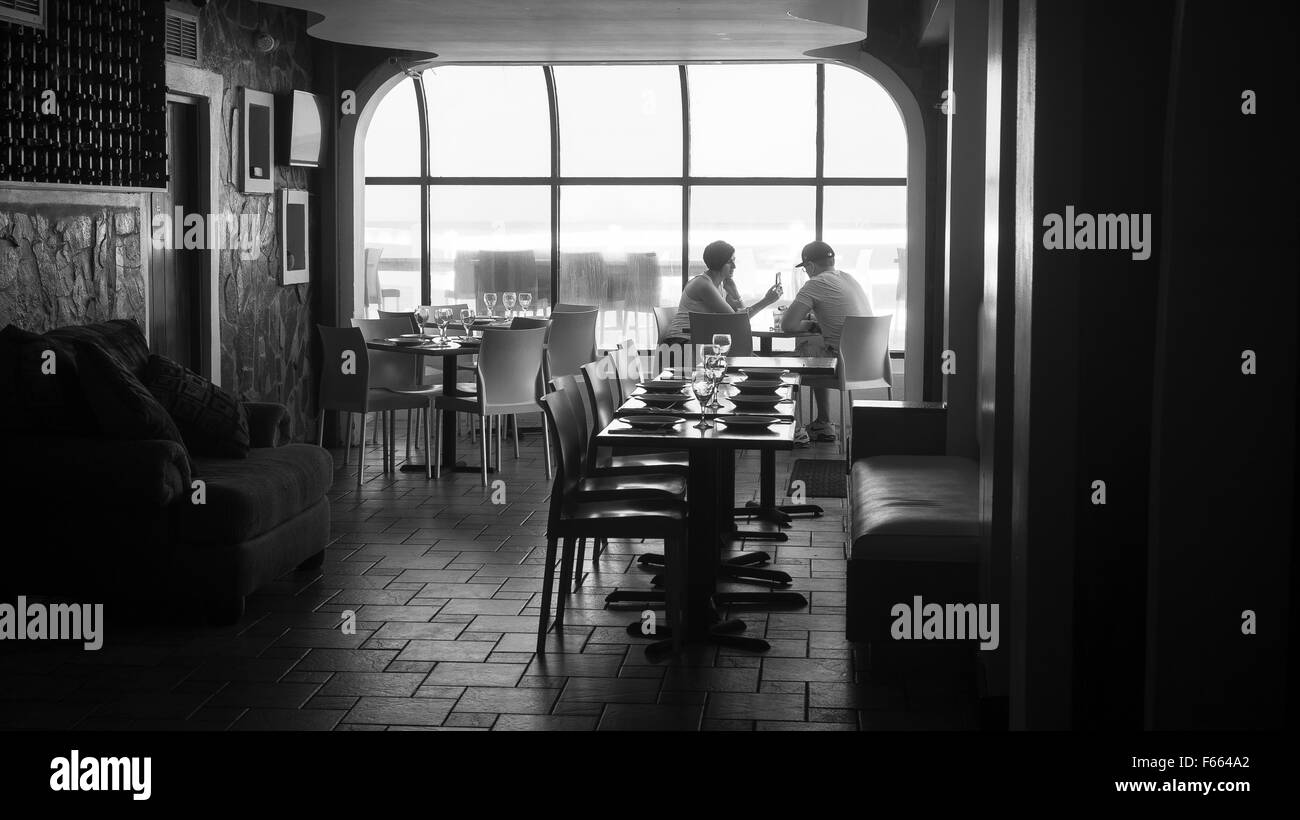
{"points": [[778, 279]]}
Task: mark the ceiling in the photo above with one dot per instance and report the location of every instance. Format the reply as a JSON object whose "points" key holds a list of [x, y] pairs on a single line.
{"points": [[556, 31]]}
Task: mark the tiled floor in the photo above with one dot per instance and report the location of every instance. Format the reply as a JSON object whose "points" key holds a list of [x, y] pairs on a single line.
{"points": [[444, 585]]}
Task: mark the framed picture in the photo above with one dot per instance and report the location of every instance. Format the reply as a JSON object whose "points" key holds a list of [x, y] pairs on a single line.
{"points": [[295, 256], [257, 167]]}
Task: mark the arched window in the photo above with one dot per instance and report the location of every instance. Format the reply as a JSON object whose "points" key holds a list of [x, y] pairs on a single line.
{"points": [[591, 184]]}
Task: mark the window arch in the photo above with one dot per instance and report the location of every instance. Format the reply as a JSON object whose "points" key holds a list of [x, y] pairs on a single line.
{"points": [[592, 183]]}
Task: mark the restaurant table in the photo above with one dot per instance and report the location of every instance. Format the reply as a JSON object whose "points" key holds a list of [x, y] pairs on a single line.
{"points": [[457, 347], [767, 509], [740, 567], [710, 490]]}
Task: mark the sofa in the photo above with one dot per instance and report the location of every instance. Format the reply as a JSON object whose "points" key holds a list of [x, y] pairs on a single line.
{"points": [[106, 497], [913, 515]]}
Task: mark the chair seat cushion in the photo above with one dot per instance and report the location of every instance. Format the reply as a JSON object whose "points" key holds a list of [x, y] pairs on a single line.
{"points": [[915, 508], [676, 462], [647, 518], [248, 497], [632, 486]]}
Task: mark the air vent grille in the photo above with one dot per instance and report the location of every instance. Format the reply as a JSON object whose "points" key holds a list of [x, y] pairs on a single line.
{"points": [[182, 42]]}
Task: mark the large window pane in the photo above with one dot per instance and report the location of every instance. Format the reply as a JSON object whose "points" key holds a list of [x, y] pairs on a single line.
{"points": [[490, 121], [490, 238], [767, 225], [393, 226], [864, 130], [867, 227], [393, 140], [620, 248], [621, 121], [753, 120]]}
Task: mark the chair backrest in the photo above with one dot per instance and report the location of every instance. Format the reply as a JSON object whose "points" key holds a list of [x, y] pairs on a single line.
{"points": [[864, 352], [564, 307], [578, 404], [627, 365], [599, 378], [525, 322], [704, 325], [345, 372], [372, 257], [565, 445], [663, 318], [402, 314], [572, 341], [389, 369], [510, 365]]}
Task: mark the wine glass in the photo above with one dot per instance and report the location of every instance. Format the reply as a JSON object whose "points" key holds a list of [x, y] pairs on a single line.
{"points": [[442, 316], [702, 387], [716, 367], [490, 299], [508, 299], [421, 317], [525, 301], [466, 319], [723, 342]]}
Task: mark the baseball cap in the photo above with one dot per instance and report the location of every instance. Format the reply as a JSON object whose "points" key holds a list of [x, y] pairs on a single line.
{"points": [[815, 252]]}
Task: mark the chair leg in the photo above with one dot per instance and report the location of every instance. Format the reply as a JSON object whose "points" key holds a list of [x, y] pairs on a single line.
{"points": [[408, 435], [548, 585], [514, 425], [577, 567], [381, 422], [546, 447], [428, 454], [436, 452], [566, 580], [483, 446], [361, 452], [320, 429], [347, 439], [499, 420]]}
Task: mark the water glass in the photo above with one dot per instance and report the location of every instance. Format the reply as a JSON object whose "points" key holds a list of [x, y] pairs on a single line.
{"points": [[525, 301], [508, 299], [490, 299], [702, 387]]}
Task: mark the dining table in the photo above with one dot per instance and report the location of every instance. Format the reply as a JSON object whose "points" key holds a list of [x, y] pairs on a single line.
{"points": [[766, 508], [450, 352], [710, 496]]}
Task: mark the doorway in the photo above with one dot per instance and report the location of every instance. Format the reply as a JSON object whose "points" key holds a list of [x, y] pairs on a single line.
{"points": [[175, 318]]}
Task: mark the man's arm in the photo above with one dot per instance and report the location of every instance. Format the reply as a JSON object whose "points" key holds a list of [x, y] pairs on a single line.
{"points": [[792, 320]]}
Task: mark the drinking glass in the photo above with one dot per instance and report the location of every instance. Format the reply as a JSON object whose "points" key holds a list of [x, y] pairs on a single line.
{"points": [[422, 316], [723, 342], [702, 387], [442, 317], [508, 299], [717, 368], [466, 319], [525, 301], [490, 299]]}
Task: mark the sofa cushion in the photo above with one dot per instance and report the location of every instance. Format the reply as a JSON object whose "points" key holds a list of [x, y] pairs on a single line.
{"points": [[39, 394], [211, 420], [915, 508], [120, 338], [248, 497], [123, 406]]}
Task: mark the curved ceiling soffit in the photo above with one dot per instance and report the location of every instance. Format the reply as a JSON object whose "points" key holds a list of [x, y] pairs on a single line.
{"points": [[589, 30]]}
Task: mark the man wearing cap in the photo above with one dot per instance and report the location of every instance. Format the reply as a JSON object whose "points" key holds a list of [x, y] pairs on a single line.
{"points": [[820, 306]]}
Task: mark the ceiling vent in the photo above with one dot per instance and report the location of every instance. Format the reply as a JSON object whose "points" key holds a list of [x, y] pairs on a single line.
{"points": [[182, 41], [23, 12]]}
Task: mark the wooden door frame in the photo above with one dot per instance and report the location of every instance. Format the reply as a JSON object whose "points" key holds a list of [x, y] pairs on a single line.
{"points": [[206, 90]]}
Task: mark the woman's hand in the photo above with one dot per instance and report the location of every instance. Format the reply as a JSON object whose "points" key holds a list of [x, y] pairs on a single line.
{"points": [[773, 293]]}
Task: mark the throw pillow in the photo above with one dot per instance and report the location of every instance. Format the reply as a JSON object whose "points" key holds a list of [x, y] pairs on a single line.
{"points": [[212, 420], [123, 405], [39, 393]]}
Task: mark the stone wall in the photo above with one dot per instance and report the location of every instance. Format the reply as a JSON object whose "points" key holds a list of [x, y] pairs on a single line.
{"points": [[266, 329], [67, 264]]}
